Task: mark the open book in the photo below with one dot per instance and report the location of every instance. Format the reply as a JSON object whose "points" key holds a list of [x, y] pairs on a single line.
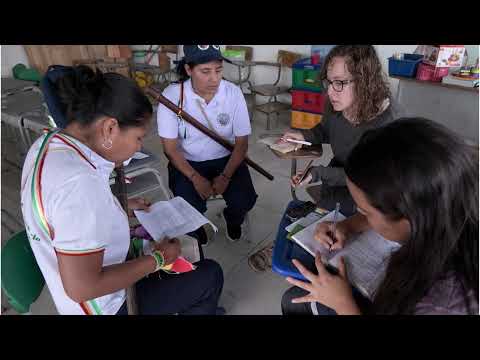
{"points": [[284, 147], [366, 255], [171, 218]]}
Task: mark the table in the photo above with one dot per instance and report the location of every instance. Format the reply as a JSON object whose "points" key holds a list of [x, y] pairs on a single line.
{"points": [[454, 106], [304, 153]]}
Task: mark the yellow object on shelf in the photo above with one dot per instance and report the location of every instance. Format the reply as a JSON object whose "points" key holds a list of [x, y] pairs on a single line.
{"points": [[143, 79], [305, 120]]}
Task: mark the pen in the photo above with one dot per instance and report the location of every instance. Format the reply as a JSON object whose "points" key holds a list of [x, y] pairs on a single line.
{"points": [[304, 174], [335, 215], [298, 141]]}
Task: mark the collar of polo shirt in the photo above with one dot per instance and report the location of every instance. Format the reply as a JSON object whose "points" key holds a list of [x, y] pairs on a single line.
{"points": [[103, 165], [217, 99]]}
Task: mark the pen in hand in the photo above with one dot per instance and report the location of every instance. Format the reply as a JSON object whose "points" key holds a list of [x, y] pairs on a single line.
{"points": [[335, 215], [296, 141]]}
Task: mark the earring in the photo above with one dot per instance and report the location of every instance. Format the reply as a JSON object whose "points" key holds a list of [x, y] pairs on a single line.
{"points": [[110, 146]]}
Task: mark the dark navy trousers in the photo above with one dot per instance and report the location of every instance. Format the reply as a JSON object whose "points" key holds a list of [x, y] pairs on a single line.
{"points": [[240, 195]]}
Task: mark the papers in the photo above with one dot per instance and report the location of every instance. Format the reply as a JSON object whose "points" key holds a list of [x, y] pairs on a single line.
{"points": [[171, 218], [366, 255], [284, 148], [306, 240], [307, 220]]}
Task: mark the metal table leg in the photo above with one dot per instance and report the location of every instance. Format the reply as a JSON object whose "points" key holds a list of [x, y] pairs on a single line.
{"points": [[293, 172]]}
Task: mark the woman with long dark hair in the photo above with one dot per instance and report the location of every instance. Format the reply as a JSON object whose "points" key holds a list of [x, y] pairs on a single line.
{"points": [[77, 229], [416, 183]]}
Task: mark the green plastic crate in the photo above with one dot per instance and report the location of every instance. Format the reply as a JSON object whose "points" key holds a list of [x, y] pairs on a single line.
{"points": [[306, 76]]}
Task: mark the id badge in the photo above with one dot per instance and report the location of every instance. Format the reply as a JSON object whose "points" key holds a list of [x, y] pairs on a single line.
{"points": [[182, 127]]}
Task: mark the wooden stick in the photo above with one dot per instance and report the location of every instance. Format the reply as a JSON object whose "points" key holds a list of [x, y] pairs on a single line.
{"points": [[192, 121], [120, 190]]}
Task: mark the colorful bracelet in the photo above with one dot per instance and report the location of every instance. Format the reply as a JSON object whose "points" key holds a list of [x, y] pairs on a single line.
{"points": [[225, 176], [159, 259]]}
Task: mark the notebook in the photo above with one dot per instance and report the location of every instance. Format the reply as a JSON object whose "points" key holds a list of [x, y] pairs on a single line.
{"points": [[366, 255]]}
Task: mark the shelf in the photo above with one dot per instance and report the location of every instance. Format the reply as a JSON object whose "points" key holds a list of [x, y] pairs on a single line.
{"points": [[437, 84]]}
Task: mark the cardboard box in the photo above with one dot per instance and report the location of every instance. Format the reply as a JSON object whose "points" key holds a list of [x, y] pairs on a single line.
{"points": [[444, 55]]}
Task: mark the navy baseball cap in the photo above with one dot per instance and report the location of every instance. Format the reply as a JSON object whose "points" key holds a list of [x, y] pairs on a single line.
{"points": [[201, 54]]}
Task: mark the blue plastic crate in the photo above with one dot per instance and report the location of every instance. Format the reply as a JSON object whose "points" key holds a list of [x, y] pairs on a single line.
{"points": [[306, 63], [406, 67]]}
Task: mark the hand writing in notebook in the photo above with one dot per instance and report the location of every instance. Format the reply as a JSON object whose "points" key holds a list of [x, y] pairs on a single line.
{"points": [[333, 291], [324, 235]]}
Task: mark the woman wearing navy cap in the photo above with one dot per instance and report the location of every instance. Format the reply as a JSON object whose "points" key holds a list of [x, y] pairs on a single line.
{"points": [[199, 167]]}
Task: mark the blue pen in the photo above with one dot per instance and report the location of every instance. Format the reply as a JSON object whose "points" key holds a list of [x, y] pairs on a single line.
{"points": [[335, 215]]}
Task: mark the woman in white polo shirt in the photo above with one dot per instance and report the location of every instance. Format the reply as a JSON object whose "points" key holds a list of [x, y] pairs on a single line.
{"points": [[199, 167], [78, 231]]}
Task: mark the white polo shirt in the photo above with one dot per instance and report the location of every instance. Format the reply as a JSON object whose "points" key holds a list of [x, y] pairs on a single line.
{"points": [[227, 112], [84, 214]]}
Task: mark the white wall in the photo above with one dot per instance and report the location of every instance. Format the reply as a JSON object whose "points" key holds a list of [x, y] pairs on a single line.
{"points": [[12, 55], [384, 52]]}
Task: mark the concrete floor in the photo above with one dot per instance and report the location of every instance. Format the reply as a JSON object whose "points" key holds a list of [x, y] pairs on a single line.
{"points": [[245, 291]]}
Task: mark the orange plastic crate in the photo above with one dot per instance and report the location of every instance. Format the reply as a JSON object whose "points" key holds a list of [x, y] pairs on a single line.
{"points": [[304, 120]]}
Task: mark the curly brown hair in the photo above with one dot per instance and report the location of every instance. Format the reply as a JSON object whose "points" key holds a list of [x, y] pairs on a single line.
{"points": [[370, 85]]}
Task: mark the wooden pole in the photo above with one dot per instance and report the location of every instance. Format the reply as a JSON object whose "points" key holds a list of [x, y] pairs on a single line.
{"points": [[191, 120], [120, 190]]}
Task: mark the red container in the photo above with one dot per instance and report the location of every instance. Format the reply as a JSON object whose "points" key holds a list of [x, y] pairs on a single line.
{"points": [[309, 101], [431, 73]]}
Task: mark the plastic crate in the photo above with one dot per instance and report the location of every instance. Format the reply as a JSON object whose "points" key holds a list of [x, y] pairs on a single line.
{"points": [[304, 120], [406, 67], [309, 101], [306, 76], [428, 72]]}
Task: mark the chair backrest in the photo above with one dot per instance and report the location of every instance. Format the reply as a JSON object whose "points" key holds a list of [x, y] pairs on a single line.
{"points": [[288, 58], [22, 280], [47, 85]]}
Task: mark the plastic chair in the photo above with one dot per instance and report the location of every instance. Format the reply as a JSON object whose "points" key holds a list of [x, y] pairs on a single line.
{"points": [[284, 59], [22, 280]]}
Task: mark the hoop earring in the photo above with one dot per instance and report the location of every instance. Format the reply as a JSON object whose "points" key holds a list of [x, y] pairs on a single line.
{"points": [[109, 147]]}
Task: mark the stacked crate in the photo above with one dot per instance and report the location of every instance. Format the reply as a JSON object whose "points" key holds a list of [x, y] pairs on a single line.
{"points": [[308, 95]]}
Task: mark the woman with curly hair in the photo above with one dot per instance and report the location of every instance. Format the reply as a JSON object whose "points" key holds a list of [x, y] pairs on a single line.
{"points": [[358, 99]]}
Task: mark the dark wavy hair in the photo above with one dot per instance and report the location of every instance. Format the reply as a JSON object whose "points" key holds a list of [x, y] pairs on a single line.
{"points": [[428, 175], [370, 86], [89, 95]]}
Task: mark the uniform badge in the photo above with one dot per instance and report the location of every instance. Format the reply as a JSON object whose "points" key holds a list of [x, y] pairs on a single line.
{"points": [[223, 119]]}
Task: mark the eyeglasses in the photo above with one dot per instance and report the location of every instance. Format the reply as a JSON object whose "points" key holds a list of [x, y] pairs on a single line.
{"points": [[205, 47], [336, 84]]}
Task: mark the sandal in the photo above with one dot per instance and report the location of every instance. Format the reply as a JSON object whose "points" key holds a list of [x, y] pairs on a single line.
{"points": [[261, 260]]}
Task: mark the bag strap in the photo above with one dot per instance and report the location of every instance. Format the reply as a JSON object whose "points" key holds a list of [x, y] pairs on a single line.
{"points": [[210, 125]]}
